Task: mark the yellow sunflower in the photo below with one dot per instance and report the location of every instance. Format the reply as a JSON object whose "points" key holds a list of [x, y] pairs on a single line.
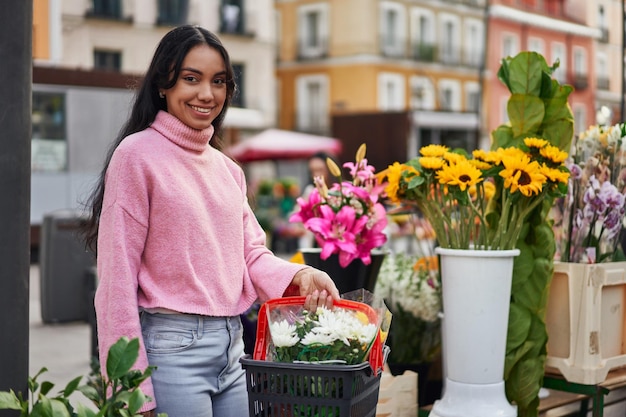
{"points": [[521, 174], [554, 154], [482, 165], [535, 143], [454, 158], [431, 162], [462, 174], [434, 150], [393, 173], [554, 175]]}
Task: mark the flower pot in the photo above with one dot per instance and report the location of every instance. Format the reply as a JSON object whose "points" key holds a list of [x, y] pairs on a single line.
{"points": [[585, 320], [476, 288], [355, 276]]}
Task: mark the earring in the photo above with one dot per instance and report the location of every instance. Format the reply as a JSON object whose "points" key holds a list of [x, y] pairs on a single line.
{"points": [[161, 94]]}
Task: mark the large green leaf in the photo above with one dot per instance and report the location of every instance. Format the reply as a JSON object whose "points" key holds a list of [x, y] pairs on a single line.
{"points": [[519, 326], [122, 356], [525, 71], [562, 132], [526, 114]]}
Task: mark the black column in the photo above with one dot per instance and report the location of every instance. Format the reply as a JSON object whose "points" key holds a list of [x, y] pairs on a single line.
{"points": [[15, 129]]}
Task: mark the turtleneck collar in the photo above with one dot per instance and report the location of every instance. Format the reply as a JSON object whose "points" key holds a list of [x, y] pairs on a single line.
{"points": [[181, 134]]}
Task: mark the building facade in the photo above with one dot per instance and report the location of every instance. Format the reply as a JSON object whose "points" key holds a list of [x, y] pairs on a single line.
{"points": [[346, 57], [90, 54]]}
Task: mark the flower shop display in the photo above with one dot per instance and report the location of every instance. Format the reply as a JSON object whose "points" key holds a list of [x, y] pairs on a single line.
{"points": [[485, 207], [328, 362], [592, 212], [348, 222], [411, 286], [586, 311]]}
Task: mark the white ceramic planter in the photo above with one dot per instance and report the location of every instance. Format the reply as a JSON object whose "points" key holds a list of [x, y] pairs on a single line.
{"points": [[476, 287]]}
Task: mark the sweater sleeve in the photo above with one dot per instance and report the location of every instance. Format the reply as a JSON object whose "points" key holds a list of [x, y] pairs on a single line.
{"points": [[269, 274], [121, 238]]}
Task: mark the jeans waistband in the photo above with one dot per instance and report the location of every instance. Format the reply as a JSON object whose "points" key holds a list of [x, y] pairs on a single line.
{"points": [[192, 322]]}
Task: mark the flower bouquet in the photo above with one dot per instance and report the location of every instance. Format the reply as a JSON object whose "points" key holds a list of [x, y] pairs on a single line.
{"points": [[592, 212], [346, 219], [454, 192]]}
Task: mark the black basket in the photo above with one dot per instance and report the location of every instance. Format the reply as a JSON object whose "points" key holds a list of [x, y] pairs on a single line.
{"points": [[309, 390]]}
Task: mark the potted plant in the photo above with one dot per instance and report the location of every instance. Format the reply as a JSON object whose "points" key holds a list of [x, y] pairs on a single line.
{"points": [[118, 395]]}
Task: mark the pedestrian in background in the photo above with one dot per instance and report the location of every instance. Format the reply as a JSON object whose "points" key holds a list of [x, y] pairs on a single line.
{"points": [[179, 251]]}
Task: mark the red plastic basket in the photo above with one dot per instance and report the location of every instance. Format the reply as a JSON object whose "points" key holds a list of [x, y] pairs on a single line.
{"points": [[263, 337]]}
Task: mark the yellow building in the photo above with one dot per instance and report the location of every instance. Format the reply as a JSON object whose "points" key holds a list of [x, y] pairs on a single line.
{"points": [[422, 58]]}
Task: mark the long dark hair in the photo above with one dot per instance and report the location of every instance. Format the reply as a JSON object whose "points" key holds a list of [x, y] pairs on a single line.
{"points": [[162, 74]]}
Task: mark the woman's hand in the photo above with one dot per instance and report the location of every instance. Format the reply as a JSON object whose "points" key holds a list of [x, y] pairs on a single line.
{"points": [[317, 286]]}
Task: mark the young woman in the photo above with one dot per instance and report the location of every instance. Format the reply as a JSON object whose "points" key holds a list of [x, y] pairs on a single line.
{"points": [[179, 252]]}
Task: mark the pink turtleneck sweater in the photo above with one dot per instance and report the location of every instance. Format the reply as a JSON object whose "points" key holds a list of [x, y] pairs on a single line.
{"points": [[176, 232]]}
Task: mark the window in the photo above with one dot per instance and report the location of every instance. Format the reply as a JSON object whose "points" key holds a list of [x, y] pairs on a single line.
{"points": [[173, 12], [391, 91], [580, 62], [239, 99], [474, 43], [510, 45], [107, 60], [313, 30], [107, 8], [49, 144], [602, 72], [450, 40], [449, 95], [312, 103], [472, 97], [536, 45], [422, 35], [422, 93], [393, 29], [580, 118], [558, 53]]}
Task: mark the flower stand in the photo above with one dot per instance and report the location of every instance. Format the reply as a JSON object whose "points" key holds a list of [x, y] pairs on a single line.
{"points": [[586, 320], [476, 292]]}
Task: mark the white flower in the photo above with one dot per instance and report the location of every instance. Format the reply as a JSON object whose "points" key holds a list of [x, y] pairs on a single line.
{"points": [[314, 337], [283, 334]]}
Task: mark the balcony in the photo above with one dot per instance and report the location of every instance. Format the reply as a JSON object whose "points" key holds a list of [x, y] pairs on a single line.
{"points": [[579, 81], [603, 82], [312, 49], [604, 37], [392, 47], [424, 52]]}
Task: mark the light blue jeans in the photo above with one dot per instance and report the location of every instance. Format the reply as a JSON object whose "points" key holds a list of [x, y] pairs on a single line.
{"points": [[197, 358]]}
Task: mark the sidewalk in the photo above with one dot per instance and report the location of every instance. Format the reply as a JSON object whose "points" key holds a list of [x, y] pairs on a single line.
{"points": [[62, 348]]}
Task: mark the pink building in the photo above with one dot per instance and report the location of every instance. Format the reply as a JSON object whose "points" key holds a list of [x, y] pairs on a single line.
{"points": [[546, 27]]}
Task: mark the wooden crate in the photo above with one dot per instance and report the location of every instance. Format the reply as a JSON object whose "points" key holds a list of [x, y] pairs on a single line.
{"points": [[398, 395], [586, 321]]}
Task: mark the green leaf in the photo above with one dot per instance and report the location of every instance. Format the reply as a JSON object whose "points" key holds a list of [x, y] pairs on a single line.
{"points": [[502, 137], [560, 133], [526, 114], [46, 386], [525, 73], [519, 325], [83, 411], [503, 72], [71, 386], [90, 392], [9, 401], [122, 356], [136, 400]]}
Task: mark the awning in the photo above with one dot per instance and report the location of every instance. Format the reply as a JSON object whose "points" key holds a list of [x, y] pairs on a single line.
{"points": [[275, 144]]}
